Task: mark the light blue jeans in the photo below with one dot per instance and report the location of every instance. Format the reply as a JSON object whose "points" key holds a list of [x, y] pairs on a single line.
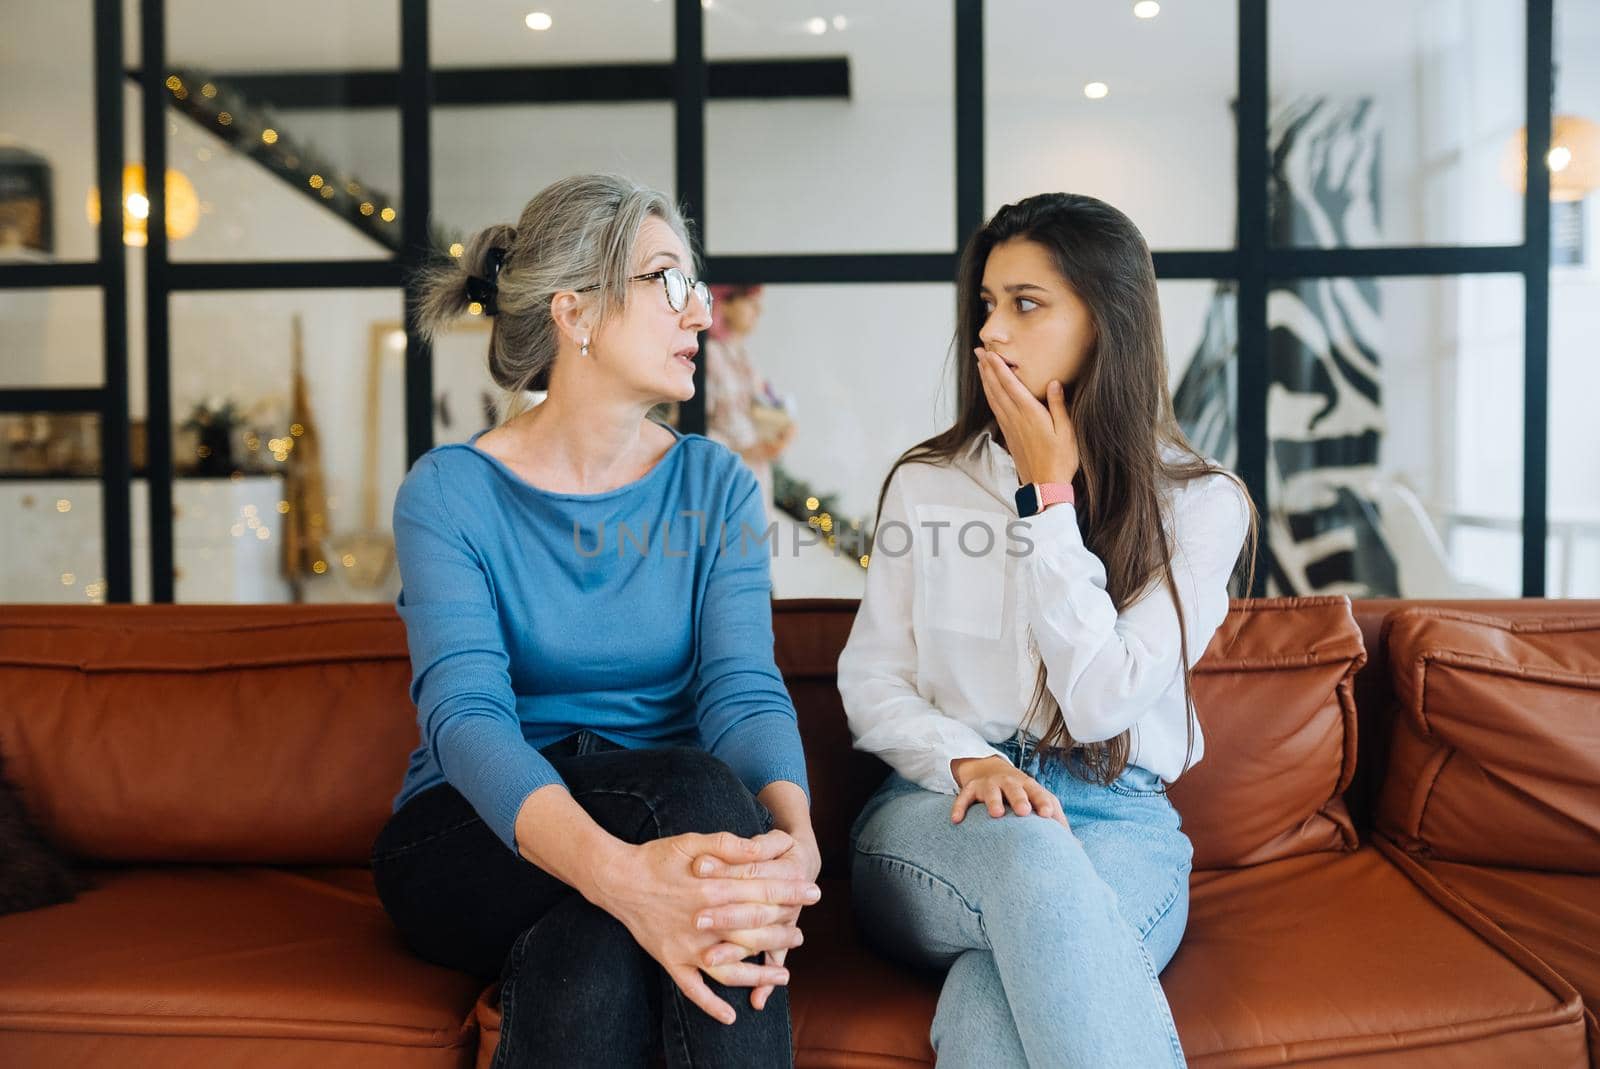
{"points": [[1053, 938]]}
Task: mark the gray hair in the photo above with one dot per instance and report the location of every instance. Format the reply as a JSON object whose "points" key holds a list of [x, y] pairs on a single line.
{"points": [[577, 232]]}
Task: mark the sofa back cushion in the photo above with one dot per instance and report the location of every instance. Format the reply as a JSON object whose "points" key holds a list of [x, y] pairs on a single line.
{"points": [[808, 636], [280, 734], [198, 733], [1495, 757], [1274, 695]]}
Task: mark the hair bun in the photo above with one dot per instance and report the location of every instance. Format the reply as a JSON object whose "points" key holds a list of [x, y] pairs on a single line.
{"points": [[485, 288]]}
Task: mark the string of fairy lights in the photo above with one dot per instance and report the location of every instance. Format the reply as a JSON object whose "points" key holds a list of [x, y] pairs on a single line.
{"points": [[251, 129], [849, 538]]}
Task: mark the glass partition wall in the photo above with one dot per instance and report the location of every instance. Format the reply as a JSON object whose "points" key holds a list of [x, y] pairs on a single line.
{"points": [[1374, 310]]}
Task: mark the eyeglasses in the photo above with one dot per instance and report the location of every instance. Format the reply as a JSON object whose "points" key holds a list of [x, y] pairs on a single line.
{"points": [[677, 285]]}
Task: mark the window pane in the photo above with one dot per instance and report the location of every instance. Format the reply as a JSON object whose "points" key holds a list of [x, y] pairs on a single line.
{"points": [[1158, 144], [285, 488], [278, 150], [864, 372], [1199, 318], [1572, 565], [489, 160], [1395, 416], [869, 169], [1396, 124], [502, 130], [51, 540], [495, 33], [52, 337], [465, 398], [47, 132]]}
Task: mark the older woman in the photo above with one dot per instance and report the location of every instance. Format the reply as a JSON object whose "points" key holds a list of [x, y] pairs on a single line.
{"points": [[608, 807]]}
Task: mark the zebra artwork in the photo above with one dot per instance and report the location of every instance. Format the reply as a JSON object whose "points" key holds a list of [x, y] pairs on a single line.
{"points": [[1325, 417]]}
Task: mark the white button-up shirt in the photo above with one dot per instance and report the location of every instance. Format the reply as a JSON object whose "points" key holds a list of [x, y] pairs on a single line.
{"points": [[963, 599]]}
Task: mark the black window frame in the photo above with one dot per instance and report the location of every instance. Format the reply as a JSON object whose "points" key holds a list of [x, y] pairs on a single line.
{"points": [[1253, 265]]}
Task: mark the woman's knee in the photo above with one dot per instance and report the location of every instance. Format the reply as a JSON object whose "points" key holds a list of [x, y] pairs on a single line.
{"points": [[904, 911], [984, 858], [577, 982], [581, 952], [697, 792], [1031, 865]]}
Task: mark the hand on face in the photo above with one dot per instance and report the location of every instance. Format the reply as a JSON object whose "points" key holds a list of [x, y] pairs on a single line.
{"points": [[1036, 336], [1041, 437]]}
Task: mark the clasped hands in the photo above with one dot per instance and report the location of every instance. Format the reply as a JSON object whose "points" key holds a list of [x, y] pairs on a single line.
{"points": [[743, 899]]}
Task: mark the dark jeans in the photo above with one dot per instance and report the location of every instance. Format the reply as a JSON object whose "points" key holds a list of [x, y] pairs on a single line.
{"points": [[576, 990]]}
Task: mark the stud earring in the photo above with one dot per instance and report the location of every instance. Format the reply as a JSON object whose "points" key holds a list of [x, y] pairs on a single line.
{"points": [[584, 349]]}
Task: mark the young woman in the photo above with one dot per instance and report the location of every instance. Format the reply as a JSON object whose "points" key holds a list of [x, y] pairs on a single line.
{"points": [[1044, 573], [609, 797]]}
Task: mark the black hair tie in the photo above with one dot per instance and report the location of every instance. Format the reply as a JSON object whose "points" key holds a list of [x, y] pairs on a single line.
{"points": [[486, 290]]}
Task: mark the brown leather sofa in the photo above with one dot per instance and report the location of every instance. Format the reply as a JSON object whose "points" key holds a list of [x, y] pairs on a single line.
{"points": [[1396, 826]]}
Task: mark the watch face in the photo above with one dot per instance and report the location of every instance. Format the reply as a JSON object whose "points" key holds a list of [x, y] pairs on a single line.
{"points": [[1027, 499]]}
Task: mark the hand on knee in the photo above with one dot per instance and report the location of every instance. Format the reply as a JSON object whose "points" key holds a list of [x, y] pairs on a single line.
{"points": [[757, 926], [658, 896], [995, 783]]}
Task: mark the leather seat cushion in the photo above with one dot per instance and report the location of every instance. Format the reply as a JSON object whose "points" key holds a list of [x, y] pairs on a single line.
{"points": [[1323, 956], [225, 966], [1555, 915], [1342, 957]]}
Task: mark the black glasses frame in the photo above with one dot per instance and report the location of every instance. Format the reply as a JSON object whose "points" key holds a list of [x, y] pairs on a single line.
{"points": [[676, 301]]}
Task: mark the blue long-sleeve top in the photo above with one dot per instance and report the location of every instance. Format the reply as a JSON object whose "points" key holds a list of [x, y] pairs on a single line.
{"points": [[642, 613]]}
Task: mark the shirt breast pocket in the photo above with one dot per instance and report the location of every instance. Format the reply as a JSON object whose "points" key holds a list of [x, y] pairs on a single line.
{"points": [[961, 565]]}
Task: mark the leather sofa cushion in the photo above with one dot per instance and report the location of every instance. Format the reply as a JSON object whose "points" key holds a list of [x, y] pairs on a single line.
{"points": [[1554, 915], [1324, 956], [1342, 960], [1274, 697], [251, 734], [1273, 694], [1495, 757], [808, 636], [197, 966]]}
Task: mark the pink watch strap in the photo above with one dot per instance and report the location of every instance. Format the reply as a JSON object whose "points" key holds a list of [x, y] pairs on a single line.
{"points": [[1055, 494]]}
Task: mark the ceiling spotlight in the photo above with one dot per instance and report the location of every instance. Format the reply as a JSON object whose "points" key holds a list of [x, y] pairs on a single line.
{"points": [[840, 22], [1096, 90], [538, 20], [1146, 9], [817, 26]]}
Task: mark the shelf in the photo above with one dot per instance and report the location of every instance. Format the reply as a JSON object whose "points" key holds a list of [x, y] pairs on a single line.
{"points": [[46, 476]]}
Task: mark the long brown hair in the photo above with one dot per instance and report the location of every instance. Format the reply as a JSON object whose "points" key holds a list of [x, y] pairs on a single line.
{"points": [[1123, 384]]}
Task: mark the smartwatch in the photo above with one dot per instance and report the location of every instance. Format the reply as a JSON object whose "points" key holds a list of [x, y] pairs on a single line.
{"points": [[1034, 498]]}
